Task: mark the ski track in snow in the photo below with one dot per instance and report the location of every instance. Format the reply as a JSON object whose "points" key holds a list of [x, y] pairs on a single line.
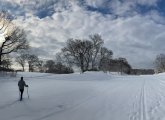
{"points": [[141, 113], [151, 101], [81, 97]]}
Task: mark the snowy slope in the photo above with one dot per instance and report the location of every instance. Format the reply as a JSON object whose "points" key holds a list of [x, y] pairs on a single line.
{"points": [[89, 96]]}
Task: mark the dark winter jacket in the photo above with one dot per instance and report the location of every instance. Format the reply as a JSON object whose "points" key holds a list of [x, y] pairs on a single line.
{"points": [[22, 84]]}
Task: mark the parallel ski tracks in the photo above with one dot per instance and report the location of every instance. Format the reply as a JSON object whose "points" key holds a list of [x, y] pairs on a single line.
{"points": [[139, 110], [149, 101], [143, 104]]}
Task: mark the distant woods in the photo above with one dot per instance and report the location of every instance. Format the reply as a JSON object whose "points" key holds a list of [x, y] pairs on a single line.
{"points": [[36, 65]]}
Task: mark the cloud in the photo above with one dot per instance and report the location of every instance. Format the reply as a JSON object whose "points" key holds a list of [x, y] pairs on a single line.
{"points": [[50, 23], [137, 38], [98, 3]]}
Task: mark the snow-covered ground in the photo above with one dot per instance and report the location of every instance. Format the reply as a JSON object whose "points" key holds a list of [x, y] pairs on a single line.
{"points": [[88, 96]]}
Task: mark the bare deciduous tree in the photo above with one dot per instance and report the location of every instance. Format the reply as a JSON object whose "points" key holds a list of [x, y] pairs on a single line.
{"points": [[77, 50], [49, 65], [40, 65], [32, 62], [5, 22], [6, 62], [97, 43], [86, 54], [21, 60], [123, 62], [14, 37], [105, 57], [160, 63]]}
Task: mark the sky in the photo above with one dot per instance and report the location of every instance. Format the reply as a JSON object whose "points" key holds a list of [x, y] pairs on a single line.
{"points": [[133, 29]]}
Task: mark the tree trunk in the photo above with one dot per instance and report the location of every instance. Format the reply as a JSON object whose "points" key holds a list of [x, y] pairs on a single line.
{"points": [[0, 60], [82, 62], [23, 68], [29, 67], [121, 67]]}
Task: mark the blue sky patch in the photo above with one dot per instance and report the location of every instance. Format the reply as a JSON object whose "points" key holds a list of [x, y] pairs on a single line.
{"points": [[161, 7]]}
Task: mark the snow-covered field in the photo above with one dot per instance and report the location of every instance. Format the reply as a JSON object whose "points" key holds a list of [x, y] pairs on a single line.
{"points": [[88, 96]]}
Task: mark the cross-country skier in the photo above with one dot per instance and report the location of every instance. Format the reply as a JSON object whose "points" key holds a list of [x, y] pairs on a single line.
{"points": [[21, 85]]}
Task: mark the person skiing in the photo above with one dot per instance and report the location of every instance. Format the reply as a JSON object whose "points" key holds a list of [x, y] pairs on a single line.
{"points": [[21, 85]]}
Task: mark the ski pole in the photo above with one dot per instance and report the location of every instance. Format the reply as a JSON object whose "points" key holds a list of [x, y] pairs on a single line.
{"points": [[19, 93], [27, 93]]}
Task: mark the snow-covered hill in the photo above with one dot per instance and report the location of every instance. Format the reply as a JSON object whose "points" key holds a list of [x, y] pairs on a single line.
{"points": [[88, 96]]}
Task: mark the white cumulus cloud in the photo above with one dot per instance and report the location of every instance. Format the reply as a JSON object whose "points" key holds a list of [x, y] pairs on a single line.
{"points": [[137, 37]]}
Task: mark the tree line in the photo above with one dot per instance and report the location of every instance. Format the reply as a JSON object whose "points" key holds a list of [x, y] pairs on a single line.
{"points": [[37, 65]]}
